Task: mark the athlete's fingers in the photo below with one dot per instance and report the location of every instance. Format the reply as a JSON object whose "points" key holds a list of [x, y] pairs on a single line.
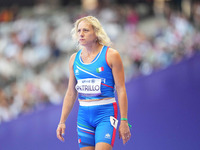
{"points": [[59, 132], [125, 140], [127, 134], [124, 132], [120, 136], [125, 137], [60, 137], [63, 131], [121, 133]]}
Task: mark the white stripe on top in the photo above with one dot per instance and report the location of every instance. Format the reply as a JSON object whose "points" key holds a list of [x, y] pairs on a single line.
{"points": [[102, 79]]}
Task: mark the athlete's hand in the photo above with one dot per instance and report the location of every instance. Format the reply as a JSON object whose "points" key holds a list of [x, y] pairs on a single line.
{"points": [[124, 131], [61, 131]]}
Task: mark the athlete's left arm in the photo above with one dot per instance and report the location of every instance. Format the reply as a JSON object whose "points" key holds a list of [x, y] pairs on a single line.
{"points": [[115, 62]]}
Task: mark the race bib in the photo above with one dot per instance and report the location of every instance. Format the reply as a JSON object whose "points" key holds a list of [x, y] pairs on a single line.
{"points": [[113, 122], [89, 87]]}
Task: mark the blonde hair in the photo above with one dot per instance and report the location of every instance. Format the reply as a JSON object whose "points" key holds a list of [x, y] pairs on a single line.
{"points": [[102, 37]]}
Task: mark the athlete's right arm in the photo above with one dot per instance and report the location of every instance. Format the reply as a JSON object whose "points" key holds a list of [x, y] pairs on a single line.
{"points": [[69, 100]]}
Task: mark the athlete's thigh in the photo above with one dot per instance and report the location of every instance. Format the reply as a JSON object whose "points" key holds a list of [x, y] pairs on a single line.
{"points": [[88, 148], [103, 146], [105, 133], [106, 129], [86, 132]]}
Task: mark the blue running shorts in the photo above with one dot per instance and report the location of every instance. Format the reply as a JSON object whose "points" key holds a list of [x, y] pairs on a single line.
{"points": [[97, 124]]}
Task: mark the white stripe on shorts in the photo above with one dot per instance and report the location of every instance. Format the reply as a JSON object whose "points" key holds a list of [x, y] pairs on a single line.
{"points": [[85, 129], [97, 102]]}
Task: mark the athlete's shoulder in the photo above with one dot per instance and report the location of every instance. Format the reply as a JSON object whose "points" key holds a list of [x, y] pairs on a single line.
{"points": [[112, 52], [72, 58], [112, 56]]}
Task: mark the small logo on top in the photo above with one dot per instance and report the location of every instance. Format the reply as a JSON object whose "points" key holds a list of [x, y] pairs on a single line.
{"points": [[77, 72]]}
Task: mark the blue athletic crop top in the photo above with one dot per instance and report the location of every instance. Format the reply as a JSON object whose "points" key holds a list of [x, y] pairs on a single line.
{"points": [[95, 79]]}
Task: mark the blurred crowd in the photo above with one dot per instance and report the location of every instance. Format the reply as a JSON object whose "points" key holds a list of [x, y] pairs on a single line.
{"points": [[35, 46]]}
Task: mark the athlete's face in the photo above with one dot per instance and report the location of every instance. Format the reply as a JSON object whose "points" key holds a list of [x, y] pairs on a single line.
{"points": [[86, 34]]}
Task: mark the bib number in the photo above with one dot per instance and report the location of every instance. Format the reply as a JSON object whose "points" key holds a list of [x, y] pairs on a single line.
{"points": [[113, 122]]}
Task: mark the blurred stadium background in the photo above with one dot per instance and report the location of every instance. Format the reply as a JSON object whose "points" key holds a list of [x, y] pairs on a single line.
{"points": [[159, 42]]}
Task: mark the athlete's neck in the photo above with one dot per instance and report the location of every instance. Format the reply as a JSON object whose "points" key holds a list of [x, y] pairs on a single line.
{"points": [[93, 49]]}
